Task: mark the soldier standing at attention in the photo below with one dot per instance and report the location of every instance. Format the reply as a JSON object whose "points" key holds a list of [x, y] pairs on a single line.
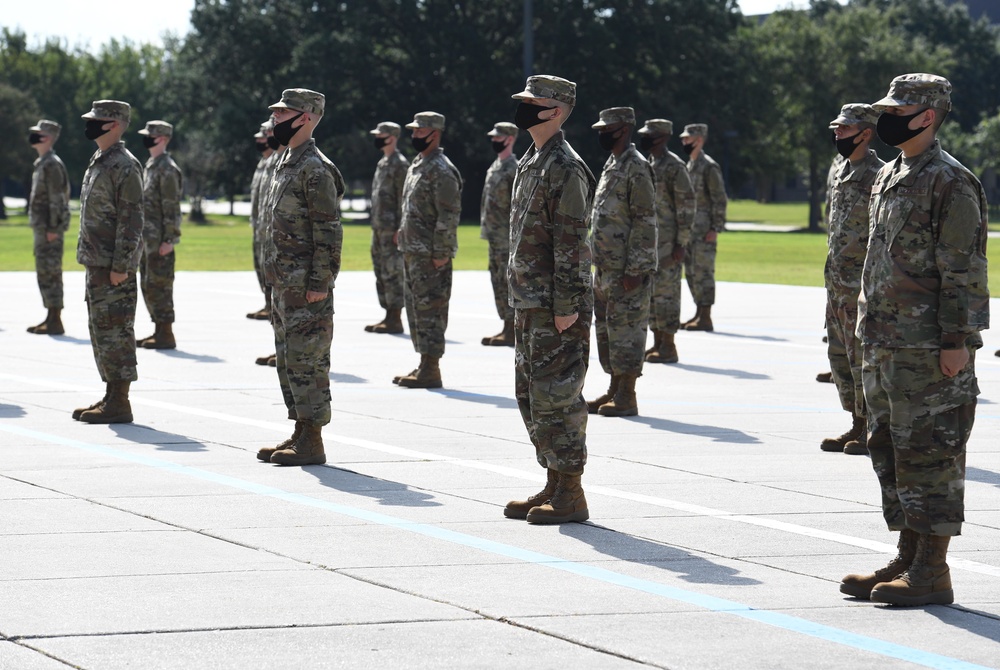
{"points": [[432, 205], [709, 221], [494, 224], [835, 166], [850, 194], [162, 188], [550, 291], [623, 238], [386, 215], [924, 300], [109, 247], [675, 208], [301, 264], [258, 187], [48, 214]]}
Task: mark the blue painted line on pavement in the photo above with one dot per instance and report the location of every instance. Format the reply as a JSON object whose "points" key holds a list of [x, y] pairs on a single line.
{"points": [[710, 603]]}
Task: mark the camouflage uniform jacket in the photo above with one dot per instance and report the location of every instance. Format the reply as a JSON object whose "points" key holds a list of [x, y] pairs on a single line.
{"points": [[262, 230], [111, 211], [549, 264], [48, 204], [257, 186], [706, 180], [675, 202], [432, 205], [831, 177], [847, 238], [494, 208], [387, 192], [161, 199], [924, 280], [623, 220], [306, 237]]}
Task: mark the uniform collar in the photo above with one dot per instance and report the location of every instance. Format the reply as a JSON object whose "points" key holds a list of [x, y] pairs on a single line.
{"points": [[906, 172], [533, 153]]}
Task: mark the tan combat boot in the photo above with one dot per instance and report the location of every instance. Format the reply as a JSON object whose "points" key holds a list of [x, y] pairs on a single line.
{"points": [[163, 337], [567, 504], [262, 314], [115, 409], [265, 452], [623, 403], [272, 360], [518, 509], [860, 586], [391, 325], [596, 403], [825, 377], [262, 360], [702, 320], [411, 373], [306, 450], [505, 338], [80, 410], [838, 443], [666, 352], [370, 328], [52, 325], [428, 375], [926, 582], [657, 338], [859, 445]]}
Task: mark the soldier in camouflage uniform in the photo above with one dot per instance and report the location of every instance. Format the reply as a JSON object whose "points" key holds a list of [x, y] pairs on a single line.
{"points": [[675, 209], [301, 264], [709, 221], [494, 225], [110, 244], [849, 196], [48, 214], [624, 245], [386, 216], [551, 292], [835, 165], [428, 238], [265, 144], [924, 300], [163, 186]]}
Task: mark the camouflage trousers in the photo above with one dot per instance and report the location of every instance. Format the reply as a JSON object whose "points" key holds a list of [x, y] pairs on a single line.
{"points": [[157, 281], [428, 292], [620, 320], [258, 268], [919, 422], [665, 296], [699, 270], [303, 333], [111, 317], [845, 353], [387, 261], [549, 371], [48, 267], [498, 276]]}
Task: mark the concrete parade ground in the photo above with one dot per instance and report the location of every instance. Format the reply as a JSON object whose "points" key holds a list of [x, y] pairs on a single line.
{"points": [[718, 536]]}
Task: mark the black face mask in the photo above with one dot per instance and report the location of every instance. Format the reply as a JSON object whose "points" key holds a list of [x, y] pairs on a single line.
{"points": [[846, 145], [420, 143], [688, 148], [526, 115], [646, 143], [284, 132], [609, 140], [148, 142], [380, 142], [273, 142], [35, 138], [94, 128], [893, 129], [261, 146], [498, 146]]}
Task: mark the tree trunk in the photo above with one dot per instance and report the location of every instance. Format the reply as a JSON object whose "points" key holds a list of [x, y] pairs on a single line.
{"points": [[815, 188], [3, 210], [196, 215]]}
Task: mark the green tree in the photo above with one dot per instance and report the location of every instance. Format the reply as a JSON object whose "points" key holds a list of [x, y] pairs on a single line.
{"points": [[16, 156]]}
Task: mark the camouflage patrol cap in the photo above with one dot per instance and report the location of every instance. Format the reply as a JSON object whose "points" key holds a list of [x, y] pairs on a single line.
{"points": [[695, 130], [613, 115], [854, 113], [112, 110], [427, 120], [264, 127], [548, 86], [657, 127], [301, 100], [918, 88], [46, 127], [503, 128], [157, 129], [386, 128]]}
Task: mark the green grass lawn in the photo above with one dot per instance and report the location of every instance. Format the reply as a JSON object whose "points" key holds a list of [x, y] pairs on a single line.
{"points": [[224, 244]]}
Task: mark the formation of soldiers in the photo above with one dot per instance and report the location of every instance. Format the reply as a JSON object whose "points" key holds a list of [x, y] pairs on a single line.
{"points": [[906, 280]]}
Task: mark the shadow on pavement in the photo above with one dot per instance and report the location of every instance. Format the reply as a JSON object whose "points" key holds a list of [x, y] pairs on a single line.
{"points": [[729, 372], [344, 378], [656, 423], [979, 475], [500, 401], [383, 491], [980, 623], [763, 338], [11, 411], [69, 339], [140, 434], [687, 566], [177, 353]]}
